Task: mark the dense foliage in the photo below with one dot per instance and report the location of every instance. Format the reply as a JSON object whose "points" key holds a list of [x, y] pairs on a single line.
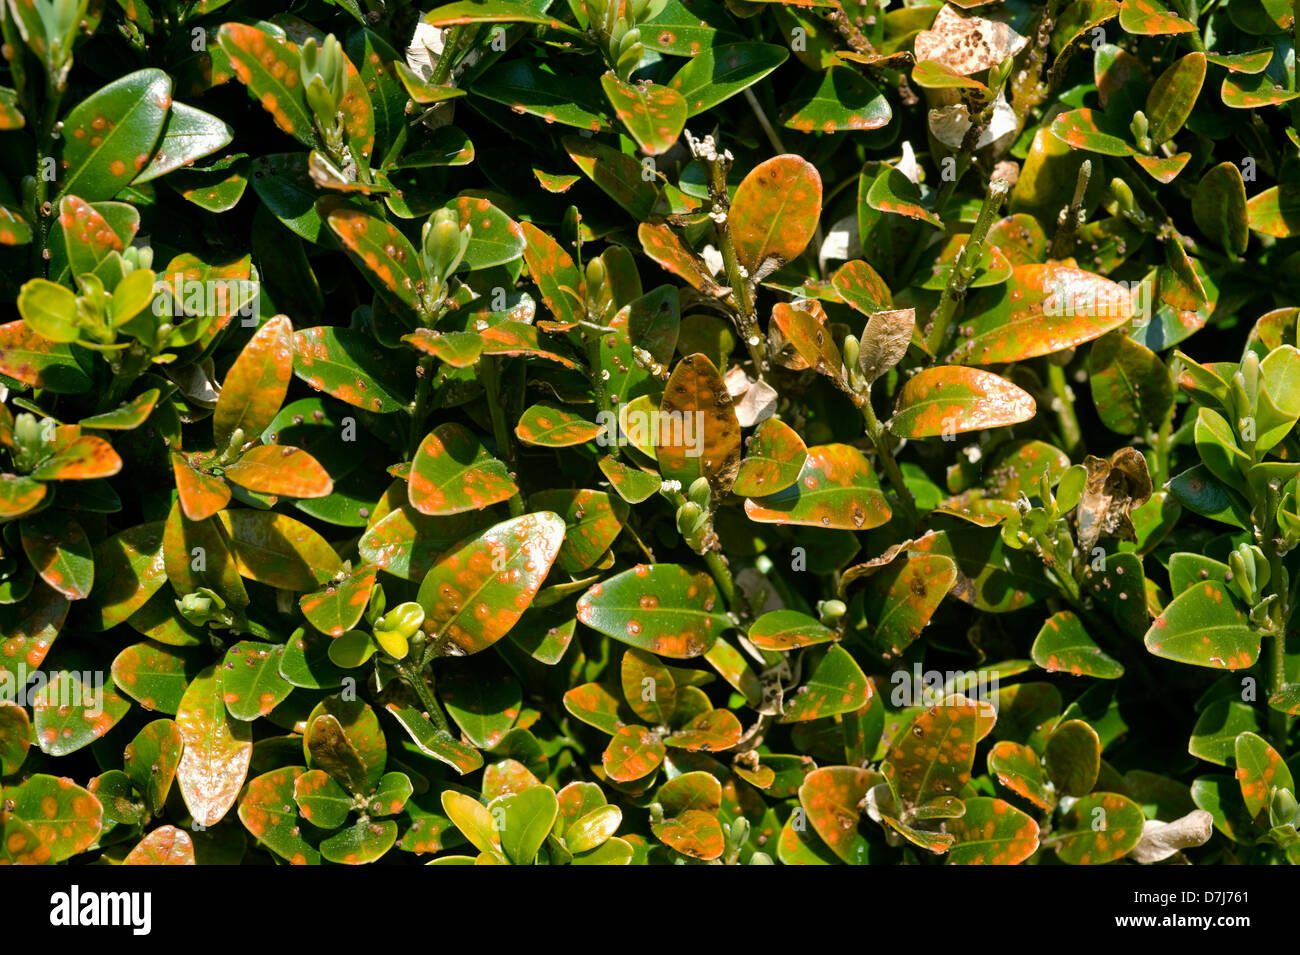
{"points": [[625, 431]]}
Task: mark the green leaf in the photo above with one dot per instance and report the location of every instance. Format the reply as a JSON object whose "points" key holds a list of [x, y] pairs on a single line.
{"points": [[109, 137], [539, 90], [893, 193], [775, 212], [774, 456], [1064, 644], [50, 310], [473, 819], [592, 520], [1073, 758], [217, 750], [617, 174], [1173, 95], [476, 593], [151, 760], [385, 256], [788, 630], [836, 488], [155, 676], [666, 609], [992, 832], [495, 238], [527, 819], [1214, 737], [1131, 386], [716, 73], [275, 549], [949, 399], [1220, 209], [482, 699], [1204, 626], [344, 738], [15, 737], [189, 135], [1017, 768]]}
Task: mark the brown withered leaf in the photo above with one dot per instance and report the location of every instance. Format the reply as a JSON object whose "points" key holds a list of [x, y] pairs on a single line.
{"points": [[868, 567], [1114, 488], [885, 340], [966, 43]]}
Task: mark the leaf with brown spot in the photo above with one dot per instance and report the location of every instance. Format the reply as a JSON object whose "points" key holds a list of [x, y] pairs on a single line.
{"points": [[217, 750], [617, 174], [1064, 645], [712, 731], [452, 472], [992, 832], [251, 681], [699, 435], [256, 384], [281, 470], [836, 489], [666, 609], [950, 399], [562, 286], [348, 365], [254, 57], [648, 687], [968, 43], [477, 592], [813, 342], [932, 758], [884, 341], [592, 520], [788, 630], [78, 457], [151, 760], [632, 754], [197, 554], [900, 600], [774, 456]]}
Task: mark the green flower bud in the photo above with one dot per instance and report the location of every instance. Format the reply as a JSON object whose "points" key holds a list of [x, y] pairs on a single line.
{"points": [[688, 516], [1283, 811], [595, 276], [444, 242], [830, 612], [204, 607], [393, 629], [700, 493]]}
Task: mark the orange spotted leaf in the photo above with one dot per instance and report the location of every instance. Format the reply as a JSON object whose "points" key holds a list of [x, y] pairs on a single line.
{"points": [[38, 361], [268, 66], [86, 233], [1064, 645], [932, 757], [153, 675], [561, 284], [1017, 768], [709, 732], [477, 592], [520, 338], [550, 427], [251, 682], [458, 349], [1260, 772], [812, 340], [617, 174], [1151, 18], [949, 399], [662, 244], [385, 256], [774, 456], [836, 489], [269, 813], [201, 494], [1099, 828], [862, 287], [1205, 626], [346, 364], [452, 472], [256, 384], [836, 686], [78, 458], [339, 605], [64, 817], [166, 845], [992, 832], [70, 712], [788, 630], [109, 137], [60, 551], [280, 469], [830, 798], [775, 212], [653, 114], [699, 434], [20, 494], [217, 750], [666, 609], [592, 520], [900, 600], [694, 833], [632, 754]]}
